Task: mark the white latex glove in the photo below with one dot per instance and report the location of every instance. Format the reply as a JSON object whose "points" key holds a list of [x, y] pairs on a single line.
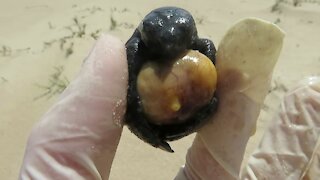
{"points": [[246, 57], [290, 148], [77, 138]]}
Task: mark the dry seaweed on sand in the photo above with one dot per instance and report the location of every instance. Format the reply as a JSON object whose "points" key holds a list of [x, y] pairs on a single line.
{"points": [[115, 24], [277, 6], [77, 29], [56, 84]]}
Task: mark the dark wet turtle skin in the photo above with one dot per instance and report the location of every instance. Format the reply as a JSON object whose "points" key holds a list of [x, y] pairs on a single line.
{"points": [[163, 34]]}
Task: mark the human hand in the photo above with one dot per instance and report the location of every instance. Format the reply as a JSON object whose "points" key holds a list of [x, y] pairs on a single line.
{"points": [[246, 57], [290, 147], [77, 138]]}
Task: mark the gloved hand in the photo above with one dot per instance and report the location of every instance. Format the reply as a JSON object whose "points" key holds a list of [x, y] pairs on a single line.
{"points": [[246, 57], [78, 137], [218, 149], [290, 148]]}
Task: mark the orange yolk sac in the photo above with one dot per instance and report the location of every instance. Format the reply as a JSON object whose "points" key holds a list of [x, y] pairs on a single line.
{"points": [[172, 92]]}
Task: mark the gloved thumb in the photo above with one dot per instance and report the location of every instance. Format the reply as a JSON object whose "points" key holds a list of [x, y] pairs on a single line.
{"points": [[77, 138]]}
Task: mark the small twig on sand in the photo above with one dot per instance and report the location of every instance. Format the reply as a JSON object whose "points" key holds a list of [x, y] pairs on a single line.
{"points": [[276, 6], [3, 79], [113, 24], [5, 51], [95, 34]]}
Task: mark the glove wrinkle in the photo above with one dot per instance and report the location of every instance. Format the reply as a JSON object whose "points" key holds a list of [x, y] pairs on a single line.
{"points": [[290, 146]]}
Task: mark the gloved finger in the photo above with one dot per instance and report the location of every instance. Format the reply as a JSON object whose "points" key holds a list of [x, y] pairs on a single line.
{"points": [[290, 148], [202, 165], [246, 57], [77, 138]]}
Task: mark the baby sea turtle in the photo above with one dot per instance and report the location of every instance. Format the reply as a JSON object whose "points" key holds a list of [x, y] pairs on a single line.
{"points": [[172, 78]]}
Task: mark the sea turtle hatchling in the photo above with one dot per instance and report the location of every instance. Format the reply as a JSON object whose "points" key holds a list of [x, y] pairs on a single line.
{"points": [[172, 78]]}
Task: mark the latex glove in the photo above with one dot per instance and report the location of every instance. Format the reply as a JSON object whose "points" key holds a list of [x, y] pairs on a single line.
{"points": [[290, 148], [246, 57], [77, 138]]}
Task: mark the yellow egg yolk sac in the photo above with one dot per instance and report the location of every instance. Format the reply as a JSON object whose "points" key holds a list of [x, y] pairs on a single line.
{"points": [[171, 92]]}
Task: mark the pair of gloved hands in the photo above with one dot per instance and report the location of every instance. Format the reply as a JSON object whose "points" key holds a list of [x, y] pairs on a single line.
{"points": [[78, 137]]}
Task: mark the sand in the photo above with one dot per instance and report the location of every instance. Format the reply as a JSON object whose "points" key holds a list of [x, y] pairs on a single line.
{"points": [[36, 49]]}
